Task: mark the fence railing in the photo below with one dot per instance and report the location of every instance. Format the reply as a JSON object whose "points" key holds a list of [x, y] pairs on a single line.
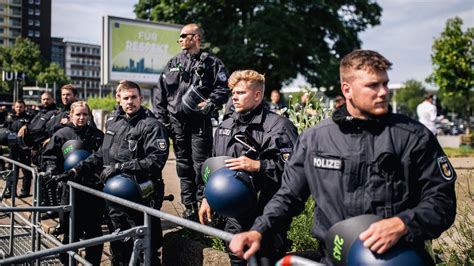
{"points": [[141, 245]]}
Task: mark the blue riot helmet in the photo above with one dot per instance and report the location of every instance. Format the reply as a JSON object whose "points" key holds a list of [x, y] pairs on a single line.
{"points": [[123, 187], [72, 145], [345, 248], [74, 152], [7, 137], [212, 164], [396, 255], [230, 193], [74, 158]]}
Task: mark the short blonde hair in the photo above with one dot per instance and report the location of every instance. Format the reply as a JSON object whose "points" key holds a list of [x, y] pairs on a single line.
{"points": [[74, 105], [253, 77], [362, 59]]}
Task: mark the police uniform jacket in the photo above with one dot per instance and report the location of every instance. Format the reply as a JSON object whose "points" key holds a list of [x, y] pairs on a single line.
{"points": [[274, 135], [53, 158], [37, 126], [390, 166], [185, 70], [139, 143], [15, 122]]}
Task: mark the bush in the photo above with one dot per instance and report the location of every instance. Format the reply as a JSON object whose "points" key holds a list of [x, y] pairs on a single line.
{"points": [[304, 117], [105, 103]]}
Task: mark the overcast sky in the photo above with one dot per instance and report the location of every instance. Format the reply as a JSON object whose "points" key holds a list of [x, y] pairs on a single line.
{"points": [[405, 35]]}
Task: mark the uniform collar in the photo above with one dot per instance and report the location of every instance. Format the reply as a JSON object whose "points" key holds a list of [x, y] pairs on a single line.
{"points": [[343, 118], [254, 116], [136, 116]]}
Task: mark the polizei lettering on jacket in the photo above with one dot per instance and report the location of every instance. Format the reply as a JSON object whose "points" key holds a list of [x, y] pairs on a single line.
{"points": [[327, 163]]}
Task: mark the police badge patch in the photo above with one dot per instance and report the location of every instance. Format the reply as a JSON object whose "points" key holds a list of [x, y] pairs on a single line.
{"points": [[162, 144], [222, 76], [445, 168], [285, 153]]}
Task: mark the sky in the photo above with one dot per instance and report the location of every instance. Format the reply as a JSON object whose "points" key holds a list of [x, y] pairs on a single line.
{"points": [[405, 35]]}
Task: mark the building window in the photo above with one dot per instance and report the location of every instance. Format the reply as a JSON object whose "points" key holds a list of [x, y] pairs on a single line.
{"points": [[1, 19], [30, 22], [38, 2], [37, 33], [37, 23], [31, 11], [37, 12], [30, 33], [31, 2]]}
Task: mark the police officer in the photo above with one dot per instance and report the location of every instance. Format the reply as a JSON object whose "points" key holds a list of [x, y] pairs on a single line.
{"points": [[90, 138], [61, 119], [275, 104], [135, 144], [364, 160], [260, 142], [35, 132], [14, 122], [192, 86]]}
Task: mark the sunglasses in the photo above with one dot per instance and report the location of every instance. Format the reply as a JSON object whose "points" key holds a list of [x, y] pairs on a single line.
{"points": [[184, 35]]}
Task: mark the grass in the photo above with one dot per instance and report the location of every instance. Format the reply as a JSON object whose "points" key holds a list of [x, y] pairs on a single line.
{"points": [[456, 245], [463, 151]]}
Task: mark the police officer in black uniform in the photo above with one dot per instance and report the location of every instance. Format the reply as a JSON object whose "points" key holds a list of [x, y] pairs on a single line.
{"points": [[193, 77], [135, 144], [61, 118], [365, 160], [89, 139], [35, 133], [14, 122], [260, 142]]}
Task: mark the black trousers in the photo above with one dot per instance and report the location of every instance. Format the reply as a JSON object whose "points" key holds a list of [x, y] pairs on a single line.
{"points": [[192, 143], [124, 218], [89, 211], [22, 156]]}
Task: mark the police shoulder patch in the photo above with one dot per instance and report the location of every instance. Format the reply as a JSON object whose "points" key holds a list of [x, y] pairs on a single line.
{"points": [[162, 144], [445, 168], [222, 76]]}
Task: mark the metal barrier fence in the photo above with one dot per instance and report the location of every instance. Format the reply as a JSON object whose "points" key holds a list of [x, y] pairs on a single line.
{"points": [[142, 244]]}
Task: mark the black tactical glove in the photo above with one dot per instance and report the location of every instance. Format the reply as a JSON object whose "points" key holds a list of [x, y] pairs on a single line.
{"points": [[208, 108], [111, 170], [66, 176]]}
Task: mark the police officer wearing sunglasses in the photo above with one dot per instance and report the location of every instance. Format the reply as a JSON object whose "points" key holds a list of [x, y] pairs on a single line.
{"points": [[191, 88]]}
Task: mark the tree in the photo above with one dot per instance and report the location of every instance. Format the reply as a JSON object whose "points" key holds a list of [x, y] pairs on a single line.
{"points": [[279, 38], [53, 74], [453, 61], [409, 96], [25, 57]]}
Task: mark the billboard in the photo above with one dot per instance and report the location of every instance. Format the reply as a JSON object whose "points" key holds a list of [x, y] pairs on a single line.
{"points": [[136, 50]]}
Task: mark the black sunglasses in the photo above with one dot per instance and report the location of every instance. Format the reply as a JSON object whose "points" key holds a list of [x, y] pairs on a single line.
{"points": [[184, 35]]}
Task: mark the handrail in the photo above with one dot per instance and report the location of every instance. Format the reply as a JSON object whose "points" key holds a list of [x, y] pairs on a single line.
{"points": [[139, 230], [156, 213]]}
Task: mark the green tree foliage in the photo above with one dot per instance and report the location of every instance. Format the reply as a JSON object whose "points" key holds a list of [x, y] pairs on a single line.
{"points": [[25, 57], [53, 74], [409, 96], [453, 61], [278, 38]]}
